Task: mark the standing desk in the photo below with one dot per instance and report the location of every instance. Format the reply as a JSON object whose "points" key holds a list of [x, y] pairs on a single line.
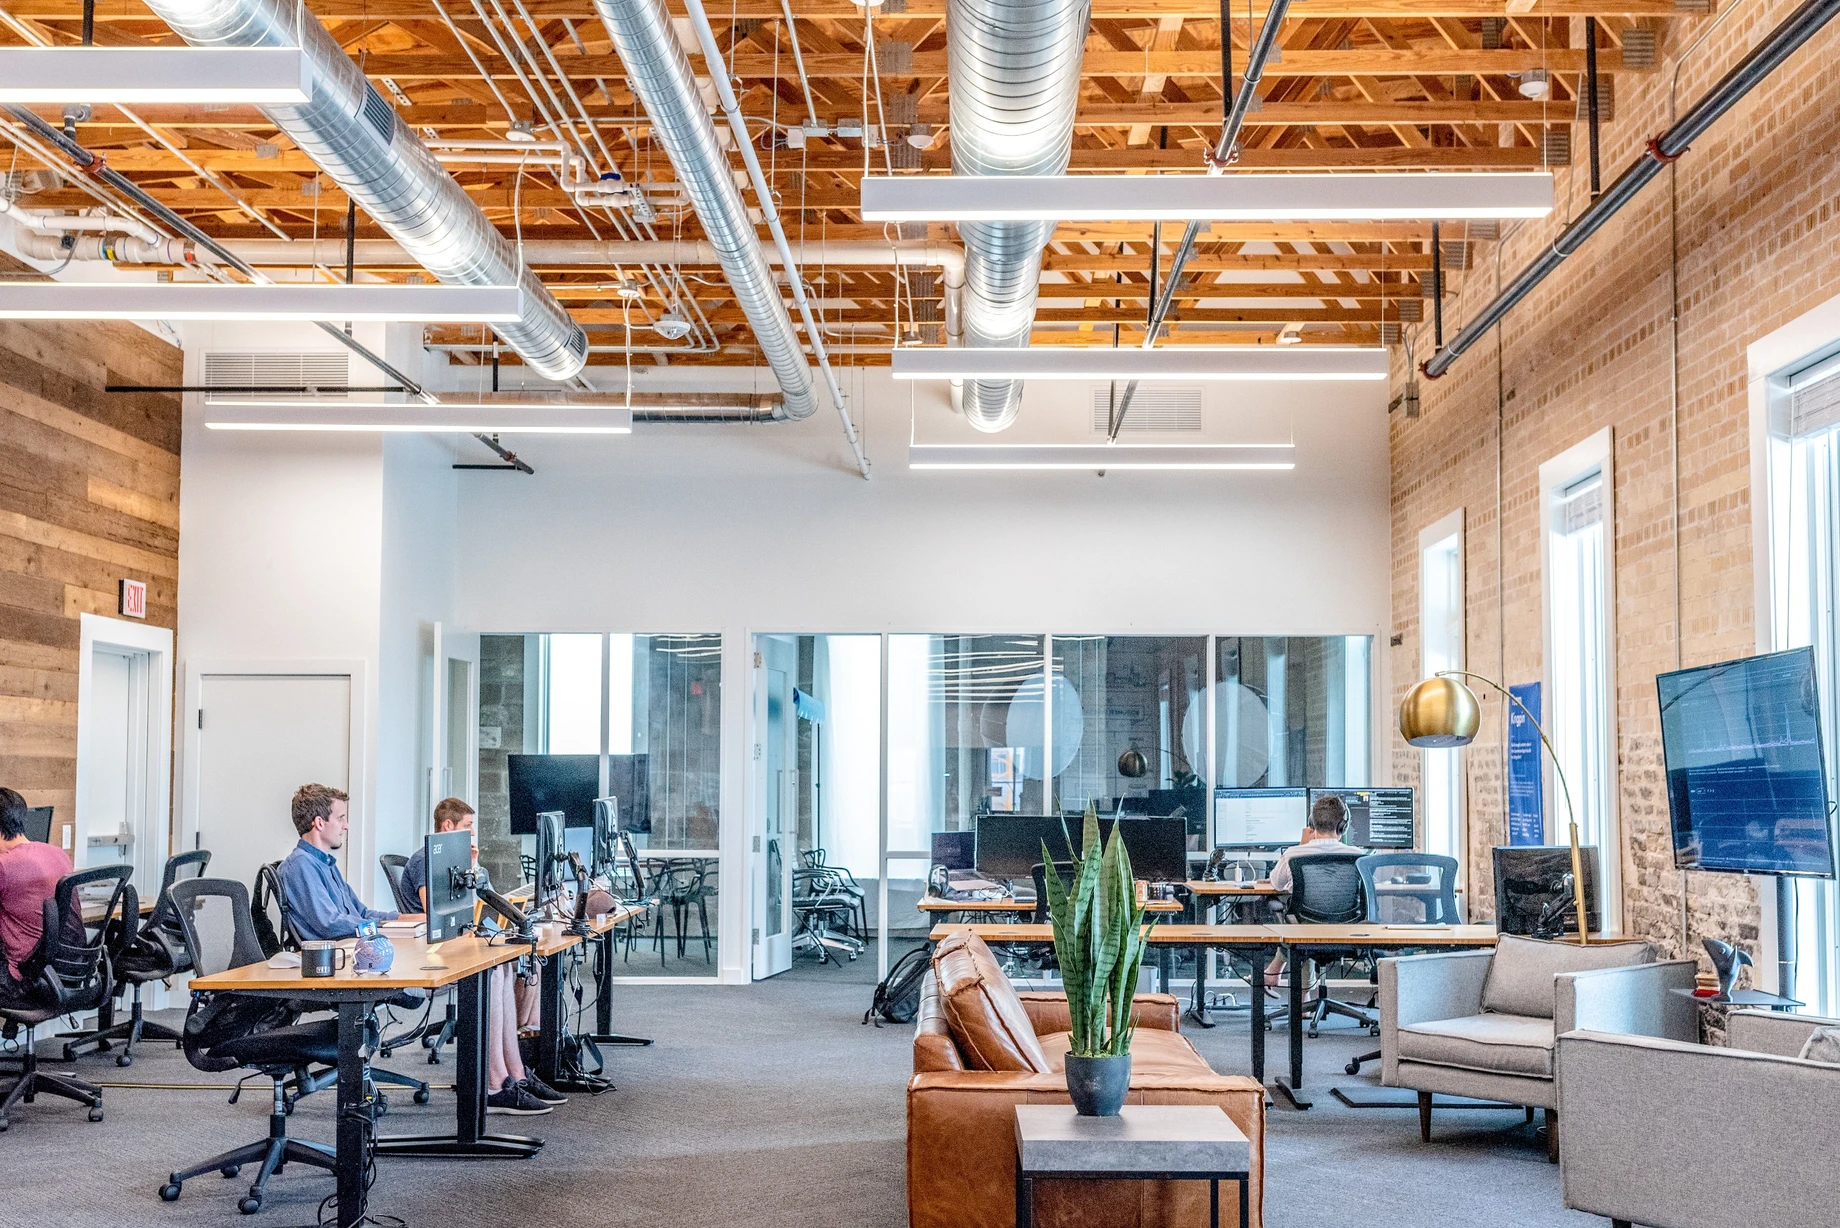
{"points": [[553, 941], [461, 962]]}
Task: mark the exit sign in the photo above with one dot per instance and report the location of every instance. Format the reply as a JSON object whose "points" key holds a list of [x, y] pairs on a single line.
{"points": [[133, 599]]}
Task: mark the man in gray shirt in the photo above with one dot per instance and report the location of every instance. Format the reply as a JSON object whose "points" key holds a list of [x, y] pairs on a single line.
{"points": [[1328, 820]]}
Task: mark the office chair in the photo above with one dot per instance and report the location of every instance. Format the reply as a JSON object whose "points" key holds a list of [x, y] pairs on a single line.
{"points": [[1407, 889], [653, 902], [393, 865], [150, 950], [845, 883], [69, 972], [822, 913], [680, 884], [1326, 889], [1066, 869], [226, 1030]]}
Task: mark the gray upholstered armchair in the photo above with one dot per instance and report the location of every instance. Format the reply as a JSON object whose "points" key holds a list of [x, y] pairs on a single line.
{"points": [[1675, 1135], [1482, 1023]]}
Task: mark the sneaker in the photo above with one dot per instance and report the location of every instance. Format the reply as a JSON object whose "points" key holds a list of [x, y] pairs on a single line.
{"points": [[541, 1090], [513, 1099]]}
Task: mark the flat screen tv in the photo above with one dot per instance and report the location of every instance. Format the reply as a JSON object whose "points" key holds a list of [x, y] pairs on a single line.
{"points": [[540, 783], [1746, 785]]}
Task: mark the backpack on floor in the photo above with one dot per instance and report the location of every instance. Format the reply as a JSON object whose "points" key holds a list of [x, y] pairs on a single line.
{"points": [[897, 998]]}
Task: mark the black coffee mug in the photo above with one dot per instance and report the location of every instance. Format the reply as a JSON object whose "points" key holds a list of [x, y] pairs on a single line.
{"points": [[321, 958]]}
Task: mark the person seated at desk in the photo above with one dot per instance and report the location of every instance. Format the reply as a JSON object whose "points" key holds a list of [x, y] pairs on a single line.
{"points": [[452, 814], [1328, 822], [29, 874], [322, 906]]}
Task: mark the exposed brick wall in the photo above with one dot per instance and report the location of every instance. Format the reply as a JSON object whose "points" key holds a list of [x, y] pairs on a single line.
{"points": [[1591, 348]]}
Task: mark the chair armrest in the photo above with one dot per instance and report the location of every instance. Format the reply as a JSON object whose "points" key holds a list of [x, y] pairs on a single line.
{"points": [[1420, 988], [1637, 1000], [1048, 1012], [1773, 1031], [1643, 1115]]}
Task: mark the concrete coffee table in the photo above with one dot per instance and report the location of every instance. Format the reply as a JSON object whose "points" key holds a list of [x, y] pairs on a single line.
{"points": [[1145, 1142]]}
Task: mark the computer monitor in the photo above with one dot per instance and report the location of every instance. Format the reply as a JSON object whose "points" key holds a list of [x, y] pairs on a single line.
{"points": [[955, 850], [1377, 818], [629, 778], [449, 857], [1259, 818], [38, 824], [1158, 848], [605, 849], [552, 855], [567, 784], [1532, 881], [1009, 845]]}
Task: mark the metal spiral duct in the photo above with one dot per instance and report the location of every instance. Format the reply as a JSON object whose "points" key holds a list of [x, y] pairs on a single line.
{"points": [[355, 137], [1015, 76], [659, 73]]}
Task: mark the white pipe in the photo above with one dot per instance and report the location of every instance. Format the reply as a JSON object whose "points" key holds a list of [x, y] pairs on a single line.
{"points": [[56, 223]]}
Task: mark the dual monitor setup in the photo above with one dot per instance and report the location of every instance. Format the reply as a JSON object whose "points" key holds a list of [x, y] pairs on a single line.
{"points": [[1275, 818]]}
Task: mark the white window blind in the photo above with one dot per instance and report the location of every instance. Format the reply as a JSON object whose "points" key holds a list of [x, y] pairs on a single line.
{"points": [[1815, 398]]}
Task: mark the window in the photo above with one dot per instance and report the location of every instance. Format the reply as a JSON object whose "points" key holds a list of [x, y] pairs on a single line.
{"points": [[1576, 545], [1441, 644], [1130, 726], [1291, 710]]}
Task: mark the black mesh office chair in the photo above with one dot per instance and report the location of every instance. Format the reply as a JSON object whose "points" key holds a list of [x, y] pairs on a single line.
{"points": [[393, 865], [226, 1030], [1066, 869], [153, 950], [1407, 889], [69, 972], [1326, 889]]}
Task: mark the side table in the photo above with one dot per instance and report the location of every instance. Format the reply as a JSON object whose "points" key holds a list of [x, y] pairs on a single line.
{"points": [[1145, 1142]]}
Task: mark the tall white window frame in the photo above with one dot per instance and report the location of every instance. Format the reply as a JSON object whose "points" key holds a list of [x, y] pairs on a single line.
{"points": [[1578, 596], [1441, 646]]}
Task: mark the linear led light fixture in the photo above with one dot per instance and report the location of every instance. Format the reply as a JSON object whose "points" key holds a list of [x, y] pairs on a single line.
{"points": [[1090, 457], [51, 300], [1177, 362], [256, 75], [426, 419], [1240, 197]]}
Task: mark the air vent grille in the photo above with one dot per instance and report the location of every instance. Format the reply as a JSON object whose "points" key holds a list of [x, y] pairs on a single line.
{"points": [[277, 370], [379, 114], [1155, 409]]}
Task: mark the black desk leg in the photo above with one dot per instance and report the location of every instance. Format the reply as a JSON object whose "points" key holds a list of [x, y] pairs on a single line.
{"points": [[354, 1123], [603, 997], [1200, 1012], [1301, 970], [1025, 1201], [469, 1138], [1245, 1195], [549, 1022], [1258, 1013], [1214, 1203]]}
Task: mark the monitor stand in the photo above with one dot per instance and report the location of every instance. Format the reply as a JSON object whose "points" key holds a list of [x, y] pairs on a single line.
{"points": [[1785, 936]]}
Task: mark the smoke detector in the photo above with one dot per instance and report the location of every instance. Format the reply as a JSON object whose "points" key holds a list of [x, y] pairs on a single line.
{"points": [[920, 136], [1534, 83], [671, 326], [521, 131]]}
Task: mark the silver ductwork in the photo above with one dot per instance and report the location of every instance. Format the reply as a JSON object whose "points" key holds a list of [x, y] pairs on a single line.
{"points": [[659, 73], [356, 138], [1015, 74]]}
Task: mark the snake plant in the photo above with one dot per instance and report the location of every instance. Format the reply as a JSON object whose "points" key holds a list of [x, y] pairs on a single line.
{"points": [[1098, 939]]}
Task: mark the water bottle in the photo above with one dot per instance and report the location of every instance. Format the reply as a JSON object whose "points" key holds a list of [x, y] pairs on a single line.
{"points": [[1239, 874]]}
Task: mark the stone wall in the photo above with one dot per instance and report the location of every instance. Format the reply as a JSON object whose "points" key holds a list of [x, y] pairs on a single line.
{"points": [[501, 733]]}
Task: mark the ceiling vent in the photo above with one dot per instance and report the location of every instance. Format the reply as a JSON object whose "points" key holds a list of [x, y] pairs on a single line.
{"points": [[1158, 409], [301, 371]]}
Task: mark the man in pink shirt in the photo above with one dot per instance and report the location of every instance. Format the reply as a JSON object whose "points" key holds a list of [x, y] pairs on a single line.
{"points": [[29, 873]]}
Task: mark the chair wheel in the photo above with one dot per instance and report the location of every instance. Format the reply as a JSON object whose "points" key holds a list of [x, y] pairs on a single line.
{"points": [[249, 1205], [4, 1123], [169, 1192], [95, 1112], [126, 1059], [229, 1172], [1352, 1068], [421, 1096]]}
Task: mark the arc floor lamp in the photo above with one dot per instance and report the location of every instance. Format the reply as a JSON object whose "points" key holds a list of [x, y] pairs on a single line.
{"points": [[1442, 713]]}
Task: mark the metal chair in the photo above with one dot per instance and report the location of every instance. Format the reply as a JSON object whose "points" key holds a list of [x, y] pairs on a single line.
{"points": [[226, 1030], [1407, 889], [1326, 889], [823, 914], [69, 972], [153, 950]]}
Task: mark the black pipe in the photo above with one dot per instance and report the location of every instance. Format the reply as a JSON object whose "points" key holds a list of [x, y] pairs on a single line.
{"points": [[89, 22], [351, 237], [1760, 62], [1437, 286], [1590, 73], [254, 389]]}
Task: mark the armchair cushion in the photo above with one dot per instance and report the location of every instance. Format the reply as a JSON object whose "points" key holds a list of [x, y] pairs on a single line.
{"points": [[983, 1013], [1520, 980], [1154, 1054], [1494, 1044], [1823, 1046]]}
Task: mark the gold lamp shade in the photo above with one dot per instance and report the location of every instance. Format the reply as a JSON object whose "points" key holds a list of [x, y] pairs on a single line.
{"points": [[1439, 712]]}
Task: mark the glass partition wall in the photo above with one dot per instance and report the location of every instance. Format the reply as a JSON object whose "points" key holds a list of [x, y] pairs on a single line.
{"points": [[649, 707]]}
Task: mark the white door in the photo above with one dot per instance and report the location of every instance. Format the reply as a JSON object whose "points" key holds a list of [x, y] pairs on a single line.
{"points": [[260, 737], [113, 763], [774, 847], [459, 776]]}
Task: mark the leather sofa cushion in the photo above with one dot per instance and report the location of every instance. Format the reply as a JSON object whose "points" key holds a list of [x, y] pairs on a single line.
{"points": [[987, 1020], [1521, 973], [1494, 1044], [1154, 1054]]}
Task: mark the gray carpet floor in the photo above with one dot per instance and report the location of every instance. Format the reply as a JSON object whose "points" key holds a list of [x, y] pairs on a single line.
{"points": [[764, 1106]]}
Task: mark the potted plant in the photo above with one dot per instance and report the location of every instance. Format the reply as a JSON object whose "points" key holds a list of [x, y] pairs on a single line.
{"points": [[1098, 940]]}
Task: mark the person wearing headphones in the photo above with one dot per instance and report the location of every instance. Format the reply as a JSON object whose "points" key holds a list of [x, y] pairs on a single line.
{"points": [[1328, 822]]}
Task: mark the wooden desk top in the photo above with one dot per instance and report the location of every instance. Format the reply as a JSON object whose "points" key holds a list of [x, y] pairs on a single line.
{"points": [[417, 966], [1202, 886], [934, 903], [1369, 934], [1155, 935], [552, 936]]}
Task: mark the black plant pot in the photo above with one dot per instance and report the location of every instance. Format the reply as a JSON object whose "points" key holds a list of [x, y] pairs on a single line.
{"points": [[1098, 1085]]}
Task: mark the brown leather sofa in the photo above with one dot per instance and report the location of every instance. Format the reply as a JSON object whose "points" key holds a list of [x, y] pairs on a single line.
{"points": [[981, 1048]]}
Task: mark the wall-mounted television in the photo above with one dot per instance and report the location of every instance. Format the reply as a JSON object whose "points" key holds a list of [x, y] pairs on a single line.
{"points": [[1746, 784]]}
